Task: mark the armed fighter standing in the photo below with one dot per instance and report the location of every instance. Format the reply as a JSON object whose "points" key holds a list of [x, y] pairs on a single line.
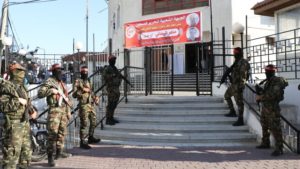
{"points": [[83, 91], [239, 74], [59, 114], [15, 104]]}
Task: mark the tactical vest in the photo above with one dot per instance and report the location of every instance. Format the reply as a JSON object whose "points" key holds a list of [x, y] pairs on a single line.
{"points": [[83, 97], [276, 81], [112, 77], [53, 100], [12, 108], [239, 75]]}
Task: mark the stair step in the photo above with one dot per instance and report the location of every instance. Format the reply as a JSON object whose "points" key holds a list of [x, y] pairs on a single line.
{"points": [[175, 137], [164, 113], [162, 128], [176, 120], [151, 106], [232, 143], [173, 99]]}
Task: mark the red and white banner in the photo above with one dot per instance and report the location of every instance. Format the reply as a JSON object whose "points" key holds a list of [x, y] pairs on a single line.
{"points": [[165, 30]]}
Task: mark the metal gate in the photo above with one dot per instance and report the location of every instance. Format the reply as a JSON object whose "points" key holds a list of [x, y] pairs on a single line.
{"points": [[203, 69], [159, 70], [158, 63]]}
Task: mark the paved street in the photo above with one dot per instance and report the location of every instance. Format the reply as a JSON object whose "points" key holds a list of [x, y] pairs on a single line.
{"points": [[131, 157]]}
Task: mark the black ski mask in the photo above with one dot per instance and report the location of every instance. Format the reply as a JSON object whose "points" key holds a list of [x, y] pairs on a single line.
{"points": [[270, 71], [237, 53], [84, 75], [269, 75], [57, 73], [112, 62]]}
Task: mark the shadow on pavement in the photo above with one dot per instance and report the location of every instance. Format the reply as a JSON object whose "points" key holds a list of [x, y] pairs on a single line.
{"points": [[203, 154]]}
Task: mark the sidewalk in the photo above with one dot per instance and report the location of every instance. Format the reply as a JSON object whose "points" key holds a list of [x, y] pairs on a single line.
{"points": [[103, 156]]}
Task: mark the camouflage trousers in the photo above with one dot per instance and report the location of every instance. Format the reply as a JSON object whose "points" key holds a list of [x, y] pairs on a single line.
{"points": [[237, 92], [270, 122], [87, 114], [113, 99], [57, 128], [16, 144]]}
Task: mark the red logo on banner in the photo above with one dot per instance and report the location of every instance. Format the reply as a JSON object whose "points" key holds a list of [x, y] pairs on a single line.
{"points": [[165, 30]]}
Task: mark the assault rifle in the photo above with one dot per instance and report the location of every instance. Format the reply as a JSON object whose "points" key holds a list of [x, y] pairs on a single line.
{"points": [[17, 93], [61, 93], [80, 87], [258, 90], [28, 107], [126, 80], [227, 74], [120, 74]]}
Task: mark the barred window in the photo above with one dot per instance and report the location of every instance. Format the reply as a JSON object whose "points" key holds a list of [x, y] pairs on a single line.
{"points": [[157, 6]]}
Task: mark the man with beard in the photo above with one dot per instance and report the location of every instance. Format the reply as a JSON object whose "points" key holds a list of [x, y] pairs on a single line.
{"points": [[239, 76], [113, 79], [59, 113], [14, 104], [272, 94], [83, 91]]}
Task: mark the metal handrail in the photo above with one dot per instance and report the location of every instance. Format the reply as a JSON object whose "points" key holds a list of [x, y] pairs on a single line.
{"points": [[100, 88], [76, 108], [122, 98], [282, 118], [275, 34]]}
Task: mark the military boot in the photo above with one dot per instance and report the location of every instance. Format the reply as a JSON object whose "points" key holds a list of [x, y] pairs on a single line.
{"points": [[92, 140], [231, 113], [84, 145], [239, 122], [23, 166], [51, 162], [61, 154], [277, 152], [109, 121], [263, 146], [115, 121]]}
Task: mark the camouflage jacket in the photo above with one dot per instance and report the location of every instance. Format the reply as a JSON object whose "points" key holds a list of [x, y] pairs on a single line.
{"points": [[45, 91], [9, 99], [240, 72], [82, 96], [112, 77], [273, 91]]}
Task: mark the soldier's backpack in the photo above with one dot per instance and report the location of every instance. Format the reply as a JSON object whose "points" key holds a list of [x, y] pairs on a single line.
{"points": [[283, 85]]}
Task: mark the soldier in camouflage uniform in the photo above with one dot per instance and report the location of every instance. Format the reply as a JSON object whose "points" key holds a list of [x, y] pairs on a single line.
{"points": [[83, 91], [239, 76], [13, 103], [272, 94], [59, 113], [113, 81]]}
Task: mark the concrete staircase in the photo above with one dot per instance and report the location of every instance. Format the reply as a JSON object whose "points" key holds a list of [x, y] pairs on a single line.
{"points": [[187, 82], [175, 121]]}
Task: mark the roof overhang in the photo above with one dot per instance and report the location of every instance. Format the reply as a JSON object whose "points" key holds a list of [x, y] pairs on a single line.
{"points": [[269, 7]]}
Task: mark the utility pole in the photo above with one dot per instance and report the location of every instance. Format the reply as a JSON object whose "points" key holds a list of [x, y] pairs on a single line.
{"points": [[212, 42], [3, 28], [87, 32]]}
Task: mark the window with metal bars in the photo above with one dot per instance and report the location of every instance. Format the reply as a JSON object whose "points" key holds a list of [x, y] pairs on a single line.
{"points": [[158, 6]]}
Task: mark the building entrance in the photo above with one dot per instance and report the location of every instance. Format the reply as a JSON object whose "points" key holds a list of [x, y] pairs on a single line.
{"points": [[191, 58], [197, 57]]}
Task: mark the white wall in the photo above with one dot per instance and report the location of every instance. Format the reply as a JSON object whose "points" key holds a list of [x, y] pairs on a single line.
{"points": [[225, 13], [290, 21], [131, 10], [257, 25]]}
